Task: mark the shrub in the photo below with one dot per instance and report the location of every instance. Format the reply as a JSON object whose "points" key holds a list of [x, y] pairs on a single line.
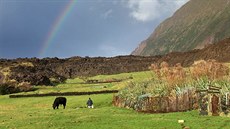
{"points": [[174, 76], [200, 71], [56, 80], [13, 87], [133, 90], [8, 88], [175, 83], [24, 86], [211, 69]]}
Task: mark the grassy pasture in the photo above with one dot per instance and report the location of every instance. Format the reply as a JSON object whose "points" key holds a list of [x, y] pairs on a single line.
{"points": [[74, 85], [37, 112]]}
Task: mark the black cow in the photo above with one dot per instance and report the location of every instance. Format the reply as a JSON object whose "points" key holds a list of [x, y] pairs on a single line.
{"points": [[59, 100]]}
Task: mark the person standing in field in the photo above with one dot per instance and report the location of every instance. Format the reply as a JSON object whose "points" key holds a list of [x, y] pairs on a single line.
{"points": [[90, 103]]}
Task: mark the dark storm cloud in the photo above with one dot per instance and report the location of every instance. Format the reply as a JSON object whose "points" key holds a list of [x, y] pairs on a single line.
{"points": [[92, 28]]}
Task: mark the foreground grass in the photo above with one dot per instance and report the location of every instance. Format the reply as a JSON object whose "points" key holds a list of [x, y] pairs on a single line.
{"points": [[37, 113]]}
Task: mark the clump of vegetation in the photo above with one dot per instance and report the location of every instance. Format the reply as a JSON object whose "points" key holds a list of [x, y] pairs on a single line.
{"points": [[132, 90], [173, 76], [211, 69], [28, 64], [25, 86], [15, 87], [176, 80], [56, 80], [201, 73]]}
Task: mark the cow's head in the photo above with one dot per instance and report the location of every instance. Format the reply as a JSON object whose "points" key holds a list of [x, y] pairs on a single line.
{"points": [[54, 106]]}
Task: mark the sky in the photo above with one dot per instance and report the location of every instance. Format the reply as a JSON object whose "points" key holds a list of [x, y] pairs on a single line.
{"points": [[66, 28]]}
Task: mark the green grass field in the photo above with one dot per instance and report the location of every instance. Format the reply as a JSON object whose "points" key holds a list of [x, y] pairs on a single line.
{"points": [[72, 85], [37, 112]]}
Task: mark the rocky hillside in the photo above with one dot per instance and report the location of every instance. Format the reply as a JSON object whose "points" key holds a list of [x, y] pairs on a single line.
{"points": [[194, 26], [217, 51], [45, 71]]}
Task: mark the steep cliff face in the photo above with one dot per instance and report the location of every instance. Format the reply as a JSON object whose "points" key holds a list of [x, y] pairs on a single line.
{"points": [[139, 49], [194, 26]]}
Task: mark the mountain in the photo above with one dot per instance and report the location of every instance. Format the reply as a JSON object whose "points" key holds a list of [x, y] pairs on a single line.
{"points": [[218, 51], [195, 25]]}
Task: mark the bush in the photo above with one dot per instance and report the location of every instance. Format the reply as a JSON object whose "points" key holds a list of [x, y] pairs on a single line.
{"points": [[211, 69], [175, 81], [173, 76], [14, 87], [177, 75], [8, 88]]}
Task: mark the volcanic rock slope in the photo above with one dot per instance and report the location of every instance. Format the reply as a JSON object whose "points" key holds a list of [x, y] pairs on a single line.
{"points": [[218, 51], [195, 25], [40, 71]]}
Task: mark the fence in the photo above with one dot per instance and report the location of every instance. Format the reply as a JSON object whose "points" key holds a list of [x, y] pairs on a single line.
{"points": [[185, 101]]}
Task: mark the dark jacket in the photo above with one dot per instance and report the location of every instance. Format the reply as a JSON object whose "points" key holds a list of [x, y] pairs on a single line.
{"points": [[89, 102]]}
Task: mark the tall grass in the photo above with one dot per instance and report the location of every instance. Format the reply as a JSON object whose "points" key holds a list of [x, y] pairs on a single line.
{"points": [[211, 69], [167, 79], [173, 76]]}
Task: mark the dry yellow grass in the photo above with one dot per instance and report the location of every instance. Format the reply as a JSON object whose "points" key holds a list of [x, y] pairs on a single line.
{"points": [[27, 64], [177, 75], [211, 69], [172, 75]]}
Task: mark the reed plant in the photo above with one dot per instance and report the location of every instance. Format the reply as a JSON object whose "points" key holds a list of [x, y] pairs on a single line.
{"points": [[178, 79]]}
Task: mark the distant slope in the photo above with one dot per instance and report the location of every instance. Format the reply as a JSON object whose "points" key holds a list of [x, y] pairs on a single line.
{"points": [[217, 51], [195, 25]]}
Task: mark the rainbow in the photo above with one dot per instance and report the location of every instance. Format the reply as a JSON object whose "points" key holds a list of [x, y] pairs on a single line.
{"points": [[56, 27]]}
